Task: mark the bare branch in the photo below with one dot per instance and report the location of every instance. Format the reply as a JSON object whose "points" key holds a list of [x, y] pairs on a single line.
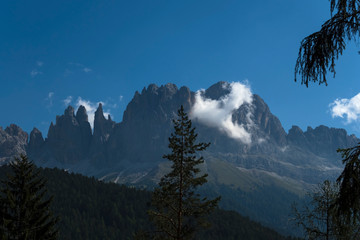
{"points": [[318, 51]]}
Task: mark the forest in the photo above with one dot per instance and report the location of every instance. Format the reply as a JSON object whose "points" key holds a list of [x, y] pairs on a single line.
{"points": [[92, 209]]}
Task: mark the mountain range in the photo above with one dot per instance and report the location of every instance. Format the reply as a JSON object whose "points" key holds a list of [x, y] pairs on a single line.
{"points": [[256, 165]]}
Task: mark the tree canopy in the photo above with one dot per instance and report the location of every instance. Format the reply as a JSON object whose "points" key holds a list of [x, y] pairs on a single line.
{"points": [[319, 51]]}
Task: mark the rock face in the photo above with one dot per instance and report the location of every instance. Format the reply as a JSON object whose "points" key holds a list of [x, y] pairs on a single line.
{"points": [[322, 140], [85, 129], [68, 140], [13, 142], [142, 136], [36, 141], [103, 128], [269, 123]]}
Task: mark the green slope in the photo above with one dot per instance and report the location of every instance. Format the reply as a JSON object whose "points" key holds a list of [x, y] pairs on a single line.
{"points": [[91, 209], [262, 195]]}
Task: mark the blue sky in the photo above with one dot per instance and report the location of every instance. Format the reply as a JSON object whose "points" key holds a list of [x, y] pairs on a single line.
{"points": [[106, 50]]}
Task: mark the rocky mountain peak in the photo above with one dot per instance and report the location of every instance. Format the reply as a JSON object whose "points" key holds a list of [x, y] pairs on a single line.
{"points": [[16, 131], [102, 126], [13, 142], [69, 111], [297, 137], [295, 130], [68, 118], [268, 123], [322, 140], [152, 88], [81, 114], [36, 133], [99, 113], [70, 136], [168, 89], [36, 140], [161, 98], [218, 90]]}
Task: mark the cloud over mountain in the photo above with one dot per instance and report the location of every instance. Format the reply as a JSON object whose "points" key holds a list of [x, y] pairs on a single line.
{"points": [[348, 108], [67, 100], [90, 109], [218, 113]]}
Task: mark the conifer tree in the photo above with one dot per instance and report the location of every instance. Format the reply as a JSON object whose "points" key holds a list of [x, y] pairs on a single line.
{"points": [[25, 212], [348, 201], [178, 210]]}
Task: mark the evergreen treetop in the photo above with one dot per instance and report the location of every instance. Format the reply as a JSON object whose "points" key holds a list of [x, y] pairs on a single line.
{"points": [[178, 210], [25, 207]]}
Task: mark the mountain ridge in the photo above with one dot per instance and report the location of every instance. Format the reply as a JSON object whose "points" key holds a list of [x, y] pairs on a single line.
{"points": [[141, 137], [273, 161]]}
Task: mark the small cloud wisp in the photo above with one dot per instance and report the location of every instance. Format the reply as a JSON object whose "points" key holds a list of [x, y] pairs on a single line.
{"points": [[35, 72], [67, 101], [87, 70], [49, 100]]}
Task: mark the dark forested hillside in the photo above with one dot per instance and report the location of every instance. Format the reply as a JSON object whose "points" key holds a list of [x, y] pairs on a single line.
{"points": [[91, 209]]}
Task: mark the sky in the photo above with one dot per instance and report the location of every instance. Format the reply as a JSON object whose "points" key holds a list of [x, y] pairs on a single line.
{"points": [[55, 53]]}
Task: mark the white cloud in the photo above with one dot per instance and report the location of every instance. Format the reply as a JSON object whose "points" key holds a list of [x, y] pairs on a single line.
{"points": [[346, 108], [39, 63], [218, 113], [76, 64], [67, 100], [35, 72], [49, 99], [90, 109], [121, 98], [111, 105], [85, 69], [82, 67]]}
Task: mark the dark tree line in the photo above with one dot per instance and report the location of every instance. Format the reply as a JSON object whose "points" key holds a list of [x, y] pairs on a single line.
{"points": [[93, 210]]}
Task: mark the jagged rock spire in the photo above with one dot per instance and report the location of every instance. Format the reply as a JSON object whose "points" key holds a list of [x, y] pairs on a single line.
{"points": [[102, 126], [81, 114]]}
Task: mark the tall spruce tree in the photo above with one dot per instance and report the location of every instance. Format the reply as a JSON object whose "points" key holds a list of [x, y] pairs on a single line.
{"points": [[178, 210], [25, 212]]}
